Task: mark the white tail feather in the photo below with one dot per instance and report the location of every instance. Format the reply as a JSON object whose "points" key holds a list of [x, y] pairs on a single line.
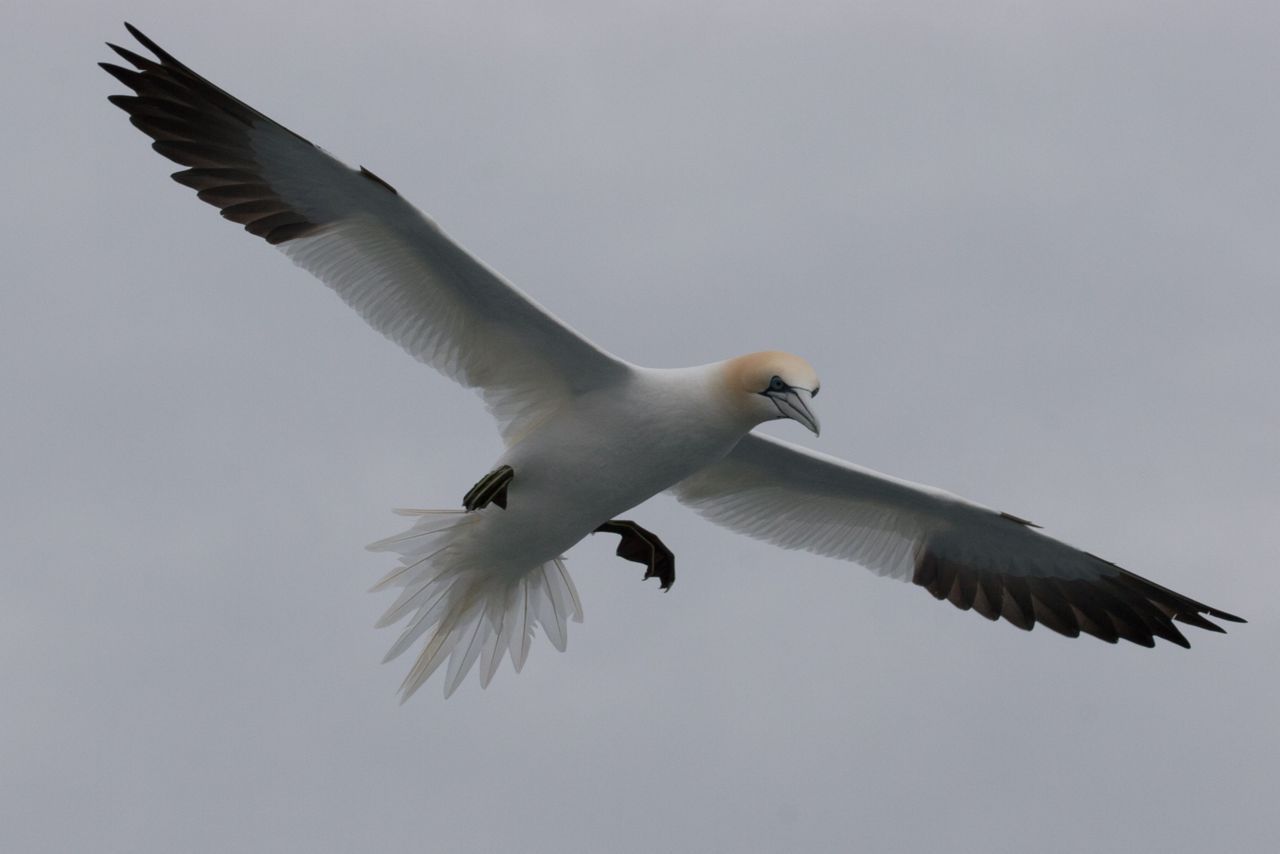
{"points": [[468, 609]]}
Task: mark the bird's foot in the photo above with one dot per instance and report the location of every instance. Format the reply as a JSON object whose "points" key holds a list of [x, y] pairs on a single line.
{"points": [[644, 547], [492, 489]]}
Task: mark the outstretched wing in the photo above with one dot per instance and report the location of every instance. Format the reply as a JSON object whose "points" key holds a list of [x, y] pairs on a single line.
{"points": [[994, 563], [352, 230]]}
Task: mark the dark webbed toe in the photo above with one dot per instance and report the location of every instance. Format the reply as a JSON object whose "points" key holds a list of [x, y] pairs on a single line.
{"points": [[491, 489], [641, 546]]}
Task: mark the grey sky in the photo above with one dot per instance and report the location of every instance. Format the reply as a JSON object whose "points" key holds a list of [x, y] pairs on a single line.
{"points": [[1030, 250]]}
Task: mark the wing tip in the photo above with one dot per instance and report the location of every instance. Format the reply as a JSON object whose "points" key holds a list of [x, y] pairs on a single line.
{"points": [[150, 45], [1116, 605], [127, 76], [195, 124], [136, 60]]}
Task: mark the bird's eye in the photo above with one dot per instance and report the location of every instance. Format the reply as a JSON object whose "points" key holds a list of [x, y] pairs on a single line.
{"points": [[776, 384]]}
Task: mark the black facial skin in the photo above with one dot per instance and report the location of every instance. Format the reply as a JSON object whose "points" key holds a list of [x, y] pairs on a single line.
{"points": [[780, 392], [776, 384]]}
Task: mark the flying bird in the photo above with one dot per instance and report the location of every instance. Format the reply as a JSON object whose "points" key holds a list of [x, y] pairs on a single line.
{"points": [[587, 435]]}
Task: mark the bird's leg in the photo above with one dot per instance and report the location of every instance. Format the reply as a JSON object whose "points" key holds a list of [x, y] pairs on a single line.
{"points": [[492, 489], [644, 547]]}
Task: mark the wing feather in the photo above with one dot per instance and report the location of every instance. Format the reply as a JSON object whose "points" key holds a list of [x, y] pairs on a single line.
{"points": [[352, 230], [994, 563]]}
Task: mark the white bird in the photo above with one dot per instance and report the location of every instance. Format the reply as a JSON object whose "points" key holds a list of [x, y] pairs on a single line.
{"points": [[589, 436]]}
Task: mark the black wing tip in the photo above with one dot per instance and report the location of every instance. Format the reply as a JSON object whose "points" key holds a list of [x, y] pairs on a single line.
{"points": [[127, 76], [195, 124], [162, 56], [1114, 607], [136, 60], [149, 44]]}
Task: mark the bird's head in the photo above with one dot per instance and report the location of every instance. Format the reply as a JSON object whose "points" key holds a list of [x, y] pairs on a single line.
{"points": [[772, 385]]}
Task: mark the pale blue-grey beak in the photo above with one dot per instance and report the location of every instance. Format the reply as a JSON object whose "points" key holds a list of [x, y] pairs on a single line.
{"points": [[793, 403]]}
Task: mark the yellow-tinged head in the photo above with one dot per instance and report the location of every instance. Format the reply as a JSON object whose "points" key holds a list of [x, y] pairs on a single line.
{"points": [[773, 384]]}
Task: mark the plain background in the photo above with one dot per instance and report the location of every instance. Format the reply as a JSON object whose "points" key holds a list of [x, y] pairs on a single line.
{"points": [[1031, 249]]}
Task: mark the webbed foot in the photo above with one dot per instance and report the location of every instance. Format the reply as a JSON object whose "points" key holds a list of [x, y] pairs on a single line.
{"points": [[641, 546], [492, 489]]}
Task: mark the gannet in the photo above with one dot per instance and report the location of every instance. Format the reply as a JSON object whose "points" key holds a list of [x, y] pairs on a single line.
{"points": [[587, 435]]}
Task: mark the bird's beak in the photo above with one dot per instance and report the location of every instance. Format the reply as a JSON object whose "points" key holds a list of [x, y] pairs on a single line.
{"points": [[794, 403]]}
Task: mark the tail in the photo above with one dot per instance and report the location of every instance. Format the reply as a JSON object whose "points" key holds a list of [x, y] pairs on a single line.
{"points": [[476, 611]]}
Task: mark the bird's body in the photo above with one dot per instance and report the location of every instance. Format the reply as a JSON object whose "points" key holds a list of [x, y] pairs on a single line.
{"points": [[589, 436], [617, 447], [602, 455]]}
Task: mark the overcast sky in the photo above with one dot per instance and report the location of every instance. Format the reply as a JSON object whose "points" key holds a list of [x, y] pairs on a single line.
{"points": [[1032, 251]]}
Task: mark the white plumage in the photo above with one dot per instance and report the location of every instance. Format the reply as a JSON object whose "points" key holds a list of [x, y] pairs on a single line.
{"points": [[589, 436]]}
